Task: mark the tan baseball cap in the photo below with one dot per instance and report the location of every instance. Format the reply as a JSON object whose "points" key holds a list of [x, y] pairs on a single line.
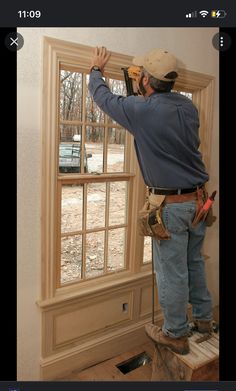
{"points": [[158, 62]]}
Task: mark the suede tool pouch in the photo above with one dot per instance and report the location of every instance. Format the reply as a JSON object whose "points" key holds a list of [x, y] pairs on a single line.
{"points": [[210, 218], [157, 226], [150, 222], [144, 228]]}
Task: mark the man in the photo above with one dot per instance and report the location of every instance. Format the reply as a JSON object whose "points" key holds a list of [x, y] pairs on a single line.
{"points": [[165, 129]]}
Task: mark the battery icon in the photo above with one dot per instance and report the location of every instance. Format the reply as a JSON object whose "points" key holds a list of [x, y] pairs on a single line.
{"points": [[218, 13]]}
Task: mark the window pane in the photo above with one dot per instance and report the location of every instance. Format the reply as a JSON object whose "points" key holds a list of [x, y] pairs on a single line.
{"points": [[94, 254], [94, 149], [96, 200], [188, 94], [71, 258], [70, 133], [117, 87], [117, 203], [92, 112], [71, 208], [116, 150], [69, 150], [147, 250], [70, 95], [116, 249]]}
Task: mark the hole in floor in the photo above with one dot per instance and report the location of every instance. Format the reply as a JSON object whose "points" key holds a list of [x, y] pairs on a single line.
{"points": [[134, 362]]}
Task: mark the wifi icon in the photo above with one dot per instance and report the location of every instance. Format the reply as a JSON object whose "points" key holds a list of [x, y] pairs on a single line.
{"points": [[203, 13]]}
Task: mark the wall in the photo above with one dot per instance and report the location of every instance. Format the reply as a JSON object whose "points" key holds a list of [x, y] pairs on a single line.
{"points": [[193, 46]]}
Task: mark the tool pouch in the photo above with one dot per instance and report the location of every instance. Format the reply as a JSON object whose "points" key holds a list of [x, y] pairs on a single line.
{"points": [[157, 226], [200, 215], [144, 228], [210, 218], [150, 222]]}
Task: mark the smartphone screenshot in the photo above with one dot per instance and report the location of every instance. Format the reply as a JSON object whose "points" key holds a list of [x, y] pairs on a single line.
{"points": [[119, 160]]}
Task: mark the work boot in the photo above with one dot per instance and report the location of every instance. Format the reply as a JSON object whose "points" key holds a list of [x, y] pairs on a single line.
{"points": [[178, 345], [203, 326]]}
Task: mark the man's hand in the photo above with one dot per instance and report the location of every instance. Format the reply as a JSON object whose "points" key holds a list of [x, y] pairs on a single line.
{"points": [[100, 57]]}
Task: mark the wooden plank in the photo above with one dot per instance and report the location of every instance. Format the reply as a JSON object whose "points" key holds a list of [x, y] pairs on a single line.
{"points": [[108, 370], [202, 363]]}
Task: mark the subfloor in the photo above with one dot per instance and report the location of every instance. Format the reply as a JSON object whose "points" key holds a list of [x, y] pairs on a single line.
{"points": [[109, 371]]}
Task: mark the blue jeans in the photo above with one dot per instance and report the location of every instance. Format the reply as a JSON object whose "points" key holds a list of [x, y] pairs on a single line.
{"points": [[180, 269]]}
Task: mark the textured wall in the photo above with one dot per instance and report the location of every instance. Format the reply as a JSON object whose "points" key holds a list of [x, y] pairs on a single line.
{"points": [[193, 46]]}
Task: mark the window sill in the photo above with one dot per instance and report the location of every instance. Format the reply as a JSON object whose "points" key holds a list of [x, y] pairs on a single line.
{"points": [[91, 288]]}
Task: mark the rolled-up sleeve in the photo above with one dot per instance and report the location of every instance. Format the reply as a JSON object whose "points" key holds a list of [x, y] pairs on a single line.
{"points": [[119, 108]]}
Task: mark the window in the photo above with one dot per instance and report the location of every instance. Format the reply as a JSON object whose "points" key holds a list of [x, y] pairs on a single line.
{"points": [[94, 226], [92, 186]]}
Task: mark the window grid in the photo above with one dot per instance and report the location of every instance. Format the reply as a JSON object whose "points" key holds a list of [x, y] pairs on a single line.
{"points": [[83, 235]]}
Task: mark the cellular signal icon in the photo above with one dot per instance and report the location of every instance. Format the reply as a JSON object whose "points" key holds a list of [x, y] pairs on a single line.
{"points": [[203, 13], [191, 15]]}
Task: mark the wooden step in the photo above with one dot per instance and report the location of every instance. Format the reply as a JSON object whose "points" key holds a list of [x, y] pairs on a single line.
{"points": [[202, 363]]}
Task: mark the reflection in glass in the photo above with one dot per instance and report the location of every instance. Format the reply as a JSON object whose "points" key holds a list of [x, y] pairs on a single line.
{"points": [[116, 249], [94, 254], [96, 202], [94, 149], [115, 150], [147, 249], [71, 208], [71, 258], [117, 204], [70, 96]]}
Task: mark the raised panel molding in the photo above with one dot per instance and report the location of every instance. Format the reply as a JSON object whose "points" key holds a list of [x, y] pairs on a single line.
{"points": [[82, 332], [78, 322], [95, 350], [80, 319], [145, 299]]}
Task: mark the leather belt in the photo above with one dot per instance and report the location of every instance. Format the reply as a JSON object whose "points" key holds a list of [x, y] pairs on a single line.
{"points": [[169, 199], [162, 191]]}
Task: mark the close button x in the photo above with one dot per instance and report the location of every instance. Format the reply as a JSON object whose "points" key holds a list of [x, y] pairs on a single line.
{"points": [[14, 41]]}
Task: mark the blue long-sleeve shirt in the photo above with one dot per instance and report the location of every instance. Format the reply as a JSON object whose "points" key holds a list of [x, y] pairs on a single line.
{"points": [[165, 129]]}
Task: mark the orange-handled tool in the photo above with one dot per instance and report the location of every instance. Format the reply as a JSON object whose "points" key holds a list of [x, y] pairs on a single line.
{"points": [[209, 202], [202, 213]]}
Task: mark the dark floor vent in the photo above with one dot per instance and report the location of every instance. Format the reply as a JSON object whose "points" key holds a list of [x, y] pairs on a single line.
{"points": [[134, 362]]}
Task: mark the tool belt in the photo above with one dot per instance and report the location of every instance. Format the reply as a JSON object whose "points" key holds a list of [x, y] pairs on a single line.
{"points": [[169, 199], [150, 221]]}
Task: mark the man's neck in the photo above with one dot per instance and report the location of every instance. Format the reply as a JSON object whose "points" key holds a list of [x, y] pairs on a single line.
{"points": [[149, 91]]}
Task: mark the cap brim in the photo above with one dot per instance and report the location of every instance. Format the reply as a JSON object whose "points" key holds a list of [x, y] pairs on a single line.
{"points": [[138, 61]]}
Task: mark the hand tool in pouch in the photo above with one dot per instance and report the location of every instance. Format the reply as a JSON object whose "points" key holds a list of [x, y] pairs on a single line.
{"points": [[203, 211]]}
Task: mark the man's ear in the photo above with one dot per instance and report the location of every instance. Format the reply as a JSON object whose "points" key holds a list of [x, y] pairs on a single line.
{"points": [[145, 80]]}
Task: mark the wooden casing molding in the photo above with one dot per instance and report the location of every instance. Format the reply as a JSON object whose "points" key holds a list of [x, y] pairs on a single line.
{"points": [[61, 306]]}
